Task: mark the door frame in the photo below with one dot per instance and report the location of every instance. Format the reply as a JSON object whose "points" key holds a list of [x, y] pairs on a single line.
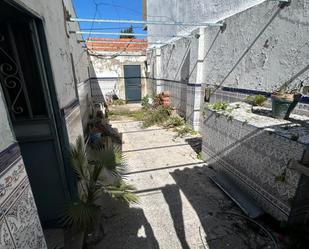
{"points": [[124, 82], [49, 88]]}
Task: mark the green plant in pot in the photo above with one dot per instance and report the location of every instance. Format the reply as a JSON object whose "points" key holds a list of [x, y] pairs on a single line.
{"points": [[285, 100]]}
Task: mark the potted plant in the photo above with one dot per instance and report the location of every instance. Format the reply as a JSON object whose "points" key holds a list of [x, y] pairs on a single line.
{"points": [[284, 100]]}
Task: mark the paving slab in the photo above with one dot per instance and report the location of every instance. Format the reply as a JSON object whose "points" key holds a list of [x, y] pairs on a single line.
{"points": [[179, 206]]}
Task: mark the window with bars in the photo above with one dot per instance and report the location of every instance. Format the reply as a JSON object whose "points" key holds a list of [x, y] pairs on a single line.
{"points": [[19, 71]]}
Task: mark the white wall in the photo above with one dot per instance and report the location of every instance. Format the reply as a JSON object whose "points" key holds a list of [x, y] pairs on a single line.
{"points": [[60, 45], [281, 51], [6, 135], [113, 68], [190, 11], [174, 68]]}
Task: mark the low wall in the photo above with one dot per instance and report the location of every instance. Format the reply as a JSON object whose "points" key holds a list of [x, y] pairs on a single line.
{"points": [[255, 151], [178, 96]]}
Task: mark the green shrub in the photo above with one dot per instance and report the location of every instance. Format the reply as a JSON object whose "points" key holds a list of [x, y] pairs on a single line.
{"points": [[219, 106], [156, 116], [174, 121], [257, 100], [137, 115], [199, 155], [119, 102], [185, 130], [145, 102], [124, 112]]}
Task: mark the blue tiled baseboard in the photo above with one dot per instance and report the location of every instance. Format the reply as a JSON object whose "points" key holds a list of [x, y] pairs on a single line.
{"points": [[304, 99], [8, 156], [229, 94]]}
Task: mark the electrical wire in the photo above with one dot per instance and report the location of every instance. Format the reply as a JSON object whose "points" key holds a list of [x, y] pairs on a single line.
{"points": [[91, 29], [183, 28], [95, 14]]}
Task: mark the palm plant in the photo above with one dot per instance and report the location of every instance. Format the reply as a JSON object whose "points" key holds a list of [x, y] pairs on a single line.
{"points": [[98, 171]]}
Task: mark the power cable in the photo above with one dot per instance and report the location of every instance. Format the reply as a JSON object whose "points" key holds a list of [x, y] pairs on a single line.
{"points": [[92, 24], [139, 12], [95, 14]]}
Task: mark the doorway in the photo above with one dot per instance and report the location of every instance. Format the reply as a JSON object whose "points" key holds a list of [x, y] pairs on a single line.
{"points": [[132, 76], [27, 94]]}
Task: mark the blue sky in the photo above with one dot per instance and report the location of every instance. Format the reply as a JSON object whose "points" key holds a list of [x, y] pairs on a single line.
{"points": [[109, 9]]}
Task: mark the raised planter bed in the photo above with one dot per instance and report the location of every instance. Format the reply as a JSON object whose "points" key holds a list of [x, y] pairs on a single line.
{"points": [[256, 151]]}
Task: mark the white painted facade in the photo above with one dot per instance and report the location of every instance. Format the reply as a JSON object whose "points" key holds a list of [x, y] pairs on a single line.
{"points": [[190, 11], [108, 74], [279, 53]]}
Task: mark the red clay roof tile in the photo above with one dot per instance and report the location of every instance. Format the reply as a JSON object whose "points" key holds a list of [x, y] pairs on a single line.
{"points": [[113, 45]]}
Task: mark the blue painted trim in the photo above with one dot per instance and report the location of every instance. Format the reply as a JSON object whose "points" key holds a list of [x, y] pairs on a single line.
{"points": [[245, 91], [304, 99], [194, 85], [104, 78], [70, 107], [8, 156]]}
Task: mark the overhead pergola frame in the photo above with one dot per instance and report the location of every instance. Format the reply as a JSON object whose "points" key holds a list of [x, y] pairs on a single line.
{"points": [[104, 33], [120, 42], [119, 33], [171, 23], [92, 32]]}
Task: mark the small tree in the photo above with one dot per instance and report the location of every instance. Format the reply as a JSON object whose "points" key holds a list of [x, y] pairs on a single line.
{"points": [[129, 31]]}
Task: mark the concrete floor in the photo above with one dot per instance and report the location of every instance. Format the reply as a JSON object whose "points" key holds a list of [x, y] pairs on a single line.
{"points": [[179, 205]]}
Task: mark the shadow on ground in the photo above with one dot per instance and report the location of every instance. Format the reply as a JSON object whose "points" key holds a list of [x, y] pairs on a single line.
{"points": [[128, 229], [220, 229]]}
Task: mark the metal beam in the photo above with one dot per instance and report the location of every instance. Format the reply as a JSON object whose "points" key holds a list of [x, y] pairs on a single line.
{"points": [[105, 33], [112, 42], [119, 42], [94, 47], [191, 24], [116, 54], [118, 34]]}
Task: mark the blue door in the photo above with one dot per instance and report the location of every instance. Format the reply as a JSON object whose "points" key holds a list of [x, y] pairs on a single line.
{"points": [[132, 79]]}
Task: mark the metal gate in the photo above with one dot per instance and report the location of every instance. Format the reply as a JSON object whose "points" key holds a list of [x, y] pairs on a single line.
{"points": [[25, 86], [132, 76]]}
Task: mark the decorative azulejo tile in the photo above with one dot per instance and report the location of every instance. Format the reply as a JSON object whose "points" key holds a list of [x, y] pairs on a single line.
{"points": [[23, 222], [20, 226], [6, 241], [255, 158], [9, 156], [11, 178]]}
